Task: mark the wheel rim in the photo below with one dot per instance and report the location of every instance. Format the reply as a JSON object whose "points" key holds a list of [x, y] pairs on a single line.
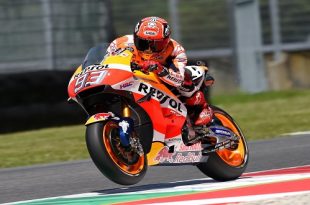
{"points": [[234, 158], [129, 162]]}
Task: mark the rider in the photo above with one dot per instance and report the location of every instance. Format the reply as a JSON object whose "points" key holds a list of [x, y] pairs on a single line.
{"points": [[152, 47]]}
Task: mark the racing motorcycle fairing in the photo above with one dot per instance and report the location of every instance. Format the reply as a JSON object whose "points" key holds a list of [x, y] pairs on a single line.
{"points": [[99, 84], [98, 75]]}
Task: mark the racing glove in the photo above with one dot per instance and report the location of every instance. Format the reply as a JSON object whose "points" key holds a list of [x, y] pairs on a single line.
{"points": [[153, 66]]}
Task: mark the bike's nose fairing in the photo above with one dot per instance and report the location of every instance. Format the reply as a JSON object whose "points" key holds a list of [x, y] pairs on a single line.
{"points": [[112, 70], [98, 75]]}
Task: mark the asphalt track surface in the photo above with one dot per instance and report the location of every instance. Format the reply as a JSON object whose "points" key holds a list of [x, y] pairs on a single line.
{"points": [[25, 183]]}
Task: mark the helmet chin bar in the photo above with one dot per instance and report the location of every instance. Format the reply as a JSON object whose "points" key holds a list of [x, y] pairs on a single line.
{"points": [[148, 51], [145, 56]]}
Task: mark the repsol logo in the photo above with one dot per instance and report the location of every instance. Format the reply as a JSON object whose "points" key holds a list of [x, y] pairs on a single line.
{"points": [[91, 68], [162, 98]]}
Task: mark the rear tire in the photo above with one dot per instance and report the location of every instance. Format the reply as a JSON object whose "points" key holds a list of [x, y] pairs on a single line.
{"points": [[110, 158], [224, 165]]}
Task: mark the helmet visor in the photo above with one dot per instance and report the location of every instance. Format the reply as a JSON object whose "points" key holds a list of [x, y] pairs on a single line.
{"points": [[153, 45]]}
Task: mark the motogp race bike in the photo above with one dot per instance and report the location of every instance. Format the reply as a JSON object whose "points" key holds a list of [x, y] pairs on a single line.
{"points": [[135, 121]]}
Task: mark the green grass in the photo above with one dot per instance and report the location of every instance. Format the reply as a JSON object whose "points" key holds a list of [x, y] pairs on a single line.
{"points": [[43, 146], [260, 116], [269, 114]]}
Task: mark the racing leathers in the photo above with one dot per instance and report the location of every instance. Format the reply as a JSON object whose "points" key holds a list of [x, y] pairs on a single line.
{"points": [[173, 59]]}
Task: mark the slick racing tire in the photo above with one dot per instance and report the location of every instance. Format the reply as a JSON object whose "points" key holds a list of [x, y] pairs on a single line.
{"points": [[226, 164], [119, 165]]}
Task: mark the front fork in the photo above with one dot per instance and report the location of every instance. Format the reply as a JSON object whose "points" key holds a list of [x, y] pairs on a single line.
{"points": [[128, 137]]}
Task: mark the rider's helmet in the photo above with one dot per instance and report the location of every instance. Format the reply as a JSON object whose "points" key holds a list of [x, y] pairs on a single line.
{"points": [[152, 35]]}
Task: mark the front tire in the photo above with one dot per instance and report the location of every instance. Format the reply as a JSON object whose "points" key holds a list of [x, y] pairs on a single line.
{"points": [[227, 164], [117, 164]]}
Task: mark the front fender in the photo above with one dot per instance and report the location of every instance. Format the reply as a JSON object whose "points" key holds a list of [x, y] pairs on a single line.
{"points": [[100, 117]]}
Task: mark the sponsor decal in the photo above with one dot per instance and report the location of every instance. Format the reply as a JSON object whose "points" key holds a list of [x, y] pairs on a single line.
{"points": [[172, 141], [121, 51], [194, 147], [130, 47], [174, 79], [220, 131], [90, 69], [151, 24], [102, 116], [182, 60], [125, 85], [124, 125], [164, 155], [178, 50], [198, 98], [177, 157], [151, 29], [150, 33], [189, 157], [161, 97], [224, 144], [205, 115], [223, 132]]}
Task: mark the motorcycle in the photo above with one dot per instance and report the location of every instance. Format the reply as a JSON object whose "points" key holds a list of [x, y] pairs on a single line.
{"points": [[135, 121]]}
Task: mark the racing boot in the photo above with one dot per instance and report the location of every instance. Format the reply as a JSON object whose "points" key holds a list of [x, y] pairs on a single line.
{"points": [[205, 116], [202, 114]]}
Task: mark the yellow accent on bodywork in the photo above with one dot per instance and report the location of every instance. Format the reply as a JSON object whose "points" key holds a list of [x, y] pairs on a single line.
{"points": [[78, 70], [122, 58], [92, 119], [125, 59], [155, 149], [148, 77]]}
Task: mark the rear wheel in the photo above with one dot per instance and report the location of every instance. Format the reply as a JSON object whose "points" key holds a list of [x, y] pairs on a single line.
{"points": [[120, 165], [227, 164]]}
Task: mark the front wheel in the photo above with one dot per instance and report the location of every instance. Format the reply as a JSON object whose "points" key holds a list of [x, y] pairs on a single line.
{"points": [[122, 166], [226, 164]]}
